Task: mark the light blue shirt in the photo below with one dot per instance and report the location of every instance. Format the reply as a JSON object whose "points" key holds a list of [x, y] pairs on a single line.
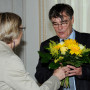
{"points": [[71, 79]]}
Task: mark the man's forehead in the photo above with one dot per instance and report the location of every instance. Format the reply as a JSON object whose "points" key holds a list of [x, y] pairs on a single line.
{"points": [[61, 17], [63, 13], [56, 19], [64, 17]]}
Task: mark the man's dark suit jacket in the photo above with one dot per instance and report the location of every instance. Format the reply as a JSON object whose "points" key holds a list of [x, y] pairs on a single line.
{"points": [[82, 82]]}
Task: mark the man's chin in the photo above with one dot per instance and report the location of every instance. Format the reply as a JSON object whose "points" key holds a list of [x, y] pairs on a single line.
{"points": [[62, 37]]}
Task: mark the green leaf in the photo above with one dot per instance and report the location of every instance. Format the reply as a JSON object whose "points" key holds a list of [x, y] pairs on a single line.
{"points": [[53, 65], [45, 57]]}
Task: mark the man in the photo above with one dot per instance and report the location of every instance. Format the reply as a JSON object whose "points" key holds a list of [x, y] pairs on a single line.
{"points": [[61, 16]]}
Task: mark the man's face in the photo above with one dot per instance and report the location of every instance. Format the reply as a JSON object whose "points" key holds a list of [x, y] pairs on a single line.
{"points": [[63, 28]]}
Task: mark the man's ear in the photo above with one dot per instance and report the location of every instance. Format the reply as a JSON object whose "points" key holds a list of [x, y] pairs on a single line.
{"points": [[72, 20]]}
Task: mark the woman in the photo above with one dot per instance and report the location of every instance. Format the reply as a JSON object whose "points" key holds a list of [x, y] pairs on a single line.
{"points": [[13, 75]]}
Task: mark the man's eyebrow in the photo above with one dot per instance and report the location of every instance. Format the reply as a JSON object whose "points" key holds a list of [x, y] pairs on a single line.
{"points": [[64, 20], [54, 22]]}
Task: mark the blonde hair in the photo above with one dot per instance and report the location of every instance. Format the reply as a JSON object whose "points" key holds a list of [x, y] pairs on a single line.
{"points": [[9, 26]]}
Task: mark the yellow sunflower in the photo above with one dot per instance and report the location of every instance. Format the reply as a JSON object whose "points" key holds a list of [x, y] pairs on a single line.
{"points": [[75, 49], [69, 42], [58, 46]]}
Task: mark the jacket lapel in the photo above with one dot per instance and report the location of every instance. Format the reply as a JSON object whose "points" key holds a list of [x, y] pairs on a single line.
{"points": [[56, 39]]}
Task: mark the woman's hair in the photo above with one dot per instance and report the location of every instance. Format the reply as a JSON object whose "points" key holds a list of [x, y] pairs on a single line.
{"points": [[9, 26]]}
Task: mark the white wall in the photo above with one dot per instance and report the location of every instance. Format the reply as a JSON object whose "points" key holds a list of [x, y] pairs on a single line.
{"points": [[32, 35]]}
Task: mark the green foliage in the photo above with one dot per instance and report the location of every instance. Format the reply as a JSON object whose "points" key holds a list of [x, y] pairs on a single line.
{"points": [[45, 57], [53, 65]]}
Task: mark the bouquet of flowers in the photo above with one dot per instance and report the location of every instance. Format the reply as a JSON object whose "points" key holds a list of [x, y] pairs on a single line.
{"points": [[68, 52]]}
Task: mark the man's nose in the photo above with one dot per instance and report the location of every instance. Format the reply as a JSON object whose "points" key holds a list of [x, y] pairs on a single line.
{"points": [[60, 26]]}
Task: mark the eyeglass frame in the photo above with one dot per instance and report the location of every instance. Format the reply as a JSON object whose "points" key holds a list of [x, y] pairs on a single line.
{"points": [[22, 28], [63, 22]]}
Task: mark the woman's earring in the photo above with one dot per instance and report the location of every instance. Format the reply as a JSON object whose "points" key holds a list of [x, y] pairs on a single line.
{"points": [[14, 44]]}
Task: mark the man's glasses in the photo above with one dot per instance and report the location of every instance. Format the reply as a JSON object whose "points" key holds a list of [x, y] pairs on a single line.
{"points": [[64, 23]]}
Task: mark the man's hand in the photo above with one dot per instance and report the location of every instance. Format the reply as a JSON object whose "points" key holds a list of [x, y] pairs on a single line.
{"points": [[74, 71]]}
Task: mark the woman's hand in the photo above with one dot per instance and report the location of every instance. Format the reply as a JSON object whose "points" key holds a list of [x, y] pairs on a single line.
{"points": [[61, 72]]}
